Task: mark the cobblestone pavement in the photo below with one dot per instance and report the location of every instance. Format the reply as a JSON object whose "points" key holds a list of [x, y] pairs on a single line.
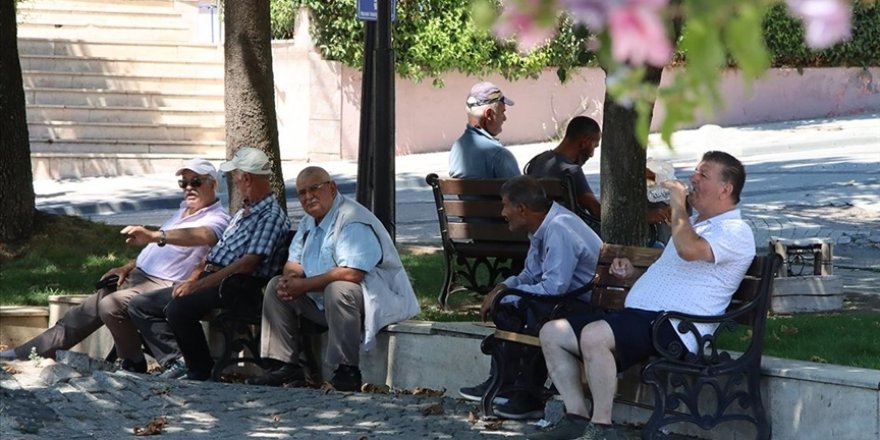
{"points": [[57, 401]]}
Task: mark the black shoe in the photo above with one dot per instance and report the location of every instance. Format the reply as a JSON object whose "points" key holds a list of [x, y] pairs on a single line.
{"points": [[286, 374], [475, 393], [346, 378], [521, 406], [134, 367], [571, 426]]}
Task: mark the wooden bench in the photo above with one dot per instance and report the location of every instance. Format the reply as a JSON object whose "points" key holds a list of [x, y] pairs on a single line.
{"points": [[478, 248], [706, 388]]}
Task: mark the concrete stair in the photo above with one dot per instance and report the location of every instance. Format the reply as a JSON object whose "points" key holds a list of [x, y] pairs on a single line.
{"points": [[118, 86]]}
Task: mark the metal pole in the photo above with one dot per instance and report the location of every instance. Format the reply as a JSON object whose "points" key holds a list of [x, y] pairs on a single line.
{"points": [[383, 166], [365, 139]]}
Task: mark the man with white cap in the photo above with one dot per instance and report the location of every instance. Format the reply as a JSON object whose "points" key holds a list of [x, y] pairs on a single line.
{"points": [[478, 154], [170, 256], [168, 319]]}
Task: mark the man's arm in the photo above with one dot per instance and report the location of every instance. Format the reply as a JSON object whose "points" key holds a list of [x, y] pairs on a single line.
{"points": [[589, 202], [245, 265], [688, 245], [200, 236]]}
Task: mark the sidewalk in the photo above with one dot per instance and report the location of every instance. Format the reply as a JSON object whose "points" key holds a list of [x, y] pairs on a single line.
{"points": [[816, 178]]}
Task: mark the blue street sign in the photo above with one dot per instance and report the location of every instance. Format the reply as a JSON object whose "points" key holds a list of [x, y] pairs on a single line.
{"points": [[369, 10]]}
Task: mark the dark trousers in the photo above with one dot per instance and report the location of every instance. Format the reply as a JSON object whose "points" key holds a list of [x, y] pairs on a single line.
{"points": [[171, 327], [524, 368]]}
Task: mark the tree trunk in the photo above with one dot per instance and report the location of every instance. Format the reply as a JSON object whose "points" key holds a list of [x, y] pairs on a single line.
{"points": [[622, 173], [16, 177], [250, 87]]}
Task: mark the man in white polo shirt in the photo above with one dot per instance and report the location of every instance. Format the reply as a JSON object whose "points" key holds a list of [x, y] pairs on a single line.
{"points": [[698, 272], [160, 264]]}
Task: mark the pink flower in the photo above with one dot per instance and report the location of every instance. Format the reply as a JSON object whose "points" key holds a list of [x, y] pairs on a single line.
{"points": [[519, 20], [826, 22], [638, 36]]}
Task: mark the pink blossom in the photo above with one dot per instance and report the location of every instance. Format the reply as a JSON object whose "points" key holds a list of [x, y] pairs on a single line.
{"points": [[518, 21], [826, 22], [638, 36]]}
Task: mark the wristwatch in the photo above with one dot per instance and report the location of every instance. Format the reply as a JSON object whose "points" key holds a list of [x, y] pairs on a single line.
{"points": [[162, 239]]}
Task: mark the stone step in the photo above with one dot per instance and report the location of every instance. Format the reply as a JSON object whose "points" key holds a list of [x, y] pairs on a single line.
{"points": [[31, 14], [163, 84], [166, 159], [159, 51], [113, 98], [132, 115], [54, 131], [131, 6], [83, 64], [104, 32], [100, 148]]}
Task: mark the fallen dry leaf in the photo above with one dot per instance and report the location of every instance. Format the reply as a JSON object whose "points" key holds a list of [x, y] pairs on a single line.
{"points": [[433, 409], [818, 359], [276, 418], [154, 427], [375, 389], [789, 330], [159, 391], [472, 418], [11, 369], [419, 391], [494, 426], [747, 336], [327, 387]]}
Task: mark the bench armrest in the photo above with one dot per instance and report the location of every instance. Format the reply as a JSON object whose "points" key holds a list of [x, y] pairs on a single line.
{"points": [[708, 352]]}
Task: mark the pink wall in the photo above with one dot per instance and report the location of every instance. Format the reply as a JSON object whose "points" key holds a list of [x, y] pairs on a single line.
{"points": [[429, 118]]}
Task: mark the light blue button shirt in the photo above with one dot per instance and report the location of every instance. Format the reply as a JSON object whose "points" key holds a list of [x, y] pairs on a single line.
{"points": [[318, 251]]}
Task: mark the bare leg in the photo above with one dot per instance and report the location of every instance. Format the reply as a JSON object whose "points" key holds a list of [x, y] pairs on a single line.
{"points": [[597, 345], [560, 349]]}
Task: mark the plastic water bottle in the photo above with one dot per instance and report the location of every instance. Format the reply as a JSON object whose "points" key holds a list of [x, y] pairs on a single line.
{"points": [[659, 193]]}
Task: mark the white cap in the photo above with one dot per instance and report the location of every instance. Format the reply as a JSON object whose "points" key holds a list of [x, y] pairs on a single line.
{"points": [[249, 160], [199, 166]]}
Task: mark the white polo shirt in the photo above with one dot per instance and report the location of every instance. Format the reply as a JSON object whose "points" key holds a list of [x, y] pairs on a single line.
{"points": [[176, 263], [698, 287]]}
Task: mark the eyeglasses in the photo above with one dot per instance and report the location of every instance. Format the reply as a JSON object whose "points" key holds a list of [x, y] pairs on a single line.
{"points": [[195, 182], [312, 189]]}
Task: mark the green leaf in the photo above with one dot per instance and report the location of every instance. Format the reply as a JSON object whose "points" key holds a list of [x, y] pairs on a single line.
{"points": [[744, 38]]}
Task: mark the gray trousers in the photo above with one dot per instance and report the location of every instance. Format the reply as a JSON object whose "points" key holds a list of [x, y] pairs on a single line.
{"points": [[343, 314], [104, 307]]}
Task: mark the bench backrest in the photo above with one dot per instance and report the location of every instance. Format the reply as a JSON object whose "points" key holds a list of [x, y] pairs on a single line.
{"points": [[470, 209]]}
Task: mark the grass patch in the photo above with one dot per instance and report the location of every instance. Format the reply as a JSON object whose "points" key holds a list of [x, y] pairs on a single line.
{"points": [[65, 256], [68, 254]]}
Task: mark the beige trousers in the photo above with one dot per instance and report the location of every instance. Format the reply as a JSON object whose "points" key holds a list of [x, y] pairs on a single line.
{"points": [[102, 307], [343, 315]]}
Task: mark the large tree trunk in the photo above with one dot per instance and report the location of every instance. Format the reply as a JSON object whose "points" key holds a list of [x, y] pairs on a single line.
{"points": [[622, 173], [16, 177], [250, 87]]}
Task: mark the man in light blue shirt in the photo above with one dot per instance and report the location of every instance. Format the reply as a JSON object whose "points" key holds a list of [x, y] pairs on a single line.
{"points": [[563, 253], [343, 272], [478, 154]]}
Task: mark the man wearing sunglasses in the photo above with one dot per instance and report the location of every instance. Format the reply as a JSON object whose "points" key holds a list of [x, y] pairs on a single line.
{"points": [[168, 319], [478, 154], [169, 257], [343, 272]]}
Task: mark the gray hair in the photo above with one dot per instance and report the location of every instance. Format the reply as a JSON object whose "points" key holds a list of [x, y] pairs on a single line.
{"points": [[477, 111], [526, 190]]}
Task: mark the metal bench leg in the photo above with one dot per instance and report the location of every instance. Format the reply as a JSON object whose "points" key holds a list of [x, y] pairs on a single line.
{"points": [[492, 346], [447, 281]]}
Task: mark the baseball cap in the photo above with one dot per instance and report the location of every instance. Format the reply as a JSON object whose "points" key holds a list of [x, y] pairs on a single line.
{"points": [[249, 160], [483, 93], [199, 166]]}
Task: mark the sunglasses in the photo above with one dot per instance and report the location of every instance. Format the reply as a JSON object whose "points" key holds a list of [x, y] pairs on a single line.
{"points": [[195, 182], [311, 189]]}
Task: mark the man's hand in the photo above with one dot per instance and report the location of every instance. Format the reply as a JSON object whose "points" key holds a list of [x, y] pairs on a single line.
{"points": [[677, 192], [185, 288], [290, 287], [487, 302], [121, 271], [139, 235], [621, 268]]}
